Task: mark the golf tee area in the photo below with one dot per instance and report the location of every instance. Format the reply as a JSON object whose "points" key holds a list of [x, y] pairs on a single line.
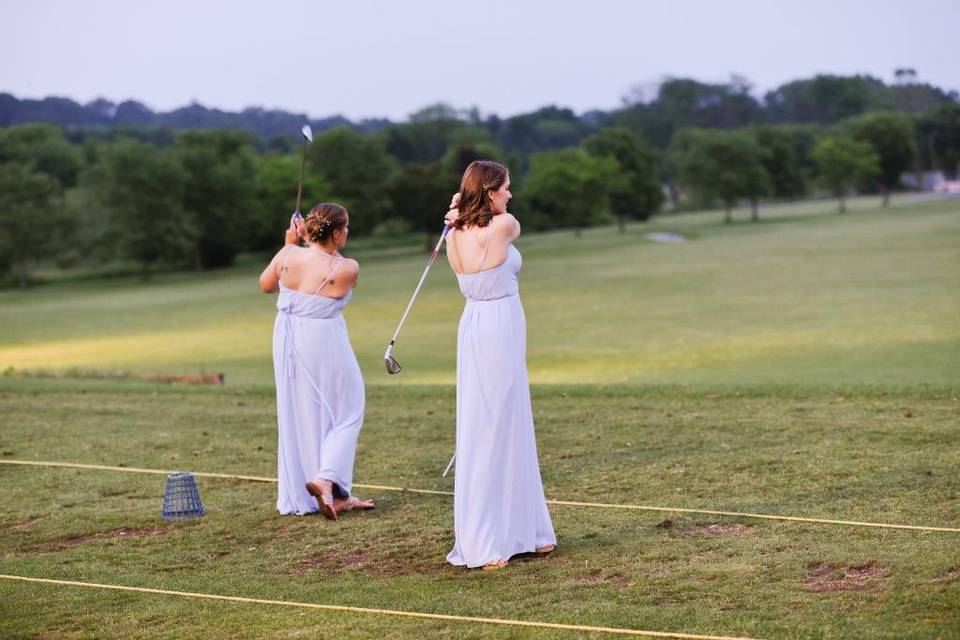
{"points": [[806, 366]]}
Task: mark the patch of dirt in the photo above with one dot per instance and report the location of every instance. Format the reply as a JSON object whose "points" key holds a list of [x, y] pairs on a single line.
{"points": [[26, 522], [949, 574], [826, 578], [735, 530], [715, 529], [597, 576], [66, 543]]}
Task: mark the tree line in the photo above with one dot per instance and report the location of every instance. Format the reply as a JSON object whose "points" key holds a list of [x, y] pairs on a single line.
{"points": [[670, 105], [162, 198]]}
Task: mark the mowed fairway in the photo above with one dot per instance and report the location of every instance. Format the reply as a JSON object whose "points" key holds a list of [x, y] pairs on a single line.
{"points": [[806, 366], [804, 296]]}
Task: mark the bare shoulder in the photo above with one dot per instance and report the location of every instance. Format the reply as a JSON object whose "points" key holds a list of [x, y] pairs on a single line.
{"points": [[507, 224], [282, 253], [350, 266]]}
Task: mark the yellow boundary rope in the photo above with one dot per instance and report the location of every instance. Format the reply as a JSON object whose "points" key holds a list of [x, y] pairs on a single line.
{"points": [[386, 612], [566, 503]]}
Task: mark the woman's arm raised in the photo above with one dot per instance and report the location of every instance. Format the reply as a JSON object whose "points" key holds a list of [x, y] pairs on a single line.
{"points": [[270, 278]]}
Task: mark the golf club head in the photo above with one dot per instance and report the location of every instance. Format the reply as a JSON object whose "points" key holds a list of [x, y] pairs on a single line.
{"points": [[307, 133], [390, 362]]}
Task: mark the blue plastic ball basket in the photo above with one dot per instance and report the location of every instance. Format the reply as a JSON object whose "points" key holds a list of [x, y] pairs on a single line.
{"points": [[182, 499]]}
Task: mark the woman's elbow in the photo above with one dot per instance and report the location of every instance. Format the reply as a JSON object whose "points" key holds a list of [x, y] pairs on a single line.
{"points": [[267, 285]]}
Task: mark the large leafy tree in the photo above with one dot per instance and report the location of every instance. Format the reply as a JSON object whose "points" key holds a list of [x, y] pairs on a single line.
{"points": [[420, 193], [939, 135], [781, 157], [29, 216], [275, 184], [892, 138], [571, 188], [430, 133], [843, 163], [45, 149], [142, 188], [358, 171], [219, 192], [641, 195], [36, 163], [827, 98], [684, 102], [724, 165], [544, 129]]}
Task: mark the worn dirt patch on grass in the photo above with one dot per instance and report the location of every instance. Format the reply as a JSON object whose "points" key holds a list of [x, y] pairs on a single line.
{"points": [[26, 522], [949, 574], [715, 529], [66, 543], [827, 578], [598, 576], [720, 529]]}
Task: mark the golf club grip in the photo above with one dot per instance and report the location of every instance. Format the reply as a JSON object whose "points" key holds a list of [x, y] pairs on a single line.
{"points": [[423, 278]]}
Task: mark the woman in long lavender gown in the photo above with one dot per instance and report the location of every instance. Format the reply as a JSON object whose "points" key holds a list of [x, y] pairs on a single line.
{"points": [[499, 505], [320, 393]]}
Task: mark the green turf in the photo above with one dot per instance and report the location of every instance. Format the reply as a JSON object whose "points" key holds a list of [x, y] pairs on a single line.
{"points": [[849, 454], [805, 296], [806, 365]]}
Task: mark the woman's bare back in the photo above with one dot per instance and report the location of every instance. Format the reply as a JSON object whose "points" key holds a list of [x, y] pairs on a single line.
{"points": [[466, 247], [305, 269]]}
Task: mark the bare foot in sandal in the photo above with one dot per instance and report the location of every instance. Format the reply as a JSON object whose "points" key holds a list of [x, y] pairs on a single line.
{"points": [[545, 549], [322, 490], [496, 564], [352, 504]]}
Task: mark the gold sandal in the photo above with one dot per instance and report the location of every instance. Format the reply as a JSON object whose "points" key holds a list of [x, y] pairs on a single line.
{"points": [[496, 564]]}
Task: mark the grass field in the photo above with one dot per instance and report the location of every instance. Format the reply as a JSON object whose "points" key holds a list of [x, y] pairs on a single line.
{"points": [[805, 296], [806, 365]]}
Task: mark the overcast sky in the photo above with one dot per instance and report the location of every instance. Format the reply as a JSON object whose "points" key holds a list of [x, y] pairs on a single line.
{"points": [[389, 58]]}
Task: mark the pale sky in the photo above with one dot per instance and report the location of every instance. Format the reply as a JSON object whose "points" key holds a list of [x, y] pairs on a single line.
{"points": [[374, 58]]}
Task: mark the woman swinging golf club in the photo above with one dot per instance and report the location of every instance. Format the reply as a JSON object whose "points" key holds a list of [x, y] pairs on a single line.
{"points": [[499, 506], [320, 394]]}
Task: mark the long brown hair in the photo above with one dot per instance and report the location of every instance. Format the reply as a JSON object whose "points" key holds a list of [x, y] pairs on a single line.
{"points": [[480, 178], [324, 219]]}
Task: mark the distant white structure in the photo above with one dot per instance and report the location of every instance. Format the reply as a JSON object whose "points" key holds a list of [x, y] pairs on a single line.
{"points": [[948, 186], [934, 181]]}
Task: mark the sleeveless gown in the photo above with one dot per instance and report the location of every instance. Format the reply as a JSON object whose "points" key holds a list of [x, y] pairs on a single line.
{"points": [[320, 396], [499, 506]]}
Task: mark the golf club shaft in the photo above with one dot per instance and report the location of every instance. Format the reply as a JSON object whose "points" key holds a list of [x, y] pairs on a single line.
{"points": [[433, 256], [303, 160], [450, 464]]}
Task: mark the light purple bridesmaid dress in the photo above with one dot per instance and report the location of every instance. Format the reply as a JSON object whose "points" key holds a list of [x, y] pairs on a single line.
{"points": [[499, 506], [320, 396]]}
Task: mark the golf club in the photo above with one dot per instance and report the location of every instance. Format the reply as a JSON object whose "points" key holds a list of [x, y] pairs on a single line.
{"points": [[388, 360], [449, 464], [307, 138]]}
